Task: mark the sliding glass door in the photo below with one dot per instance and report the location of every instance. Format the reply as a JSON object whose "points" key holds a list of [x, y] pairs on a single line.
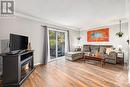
{"points": [[56, 44], [60, 44]]}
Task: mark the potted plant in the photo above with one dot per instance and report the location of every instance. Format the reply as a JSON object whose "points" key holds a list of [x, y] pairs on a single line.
{"points": [[119, 34]]}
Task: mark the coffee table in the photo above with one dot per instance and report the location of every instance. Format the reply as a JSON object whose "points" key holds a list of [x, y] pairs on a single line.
{"points": [[96, 58]]}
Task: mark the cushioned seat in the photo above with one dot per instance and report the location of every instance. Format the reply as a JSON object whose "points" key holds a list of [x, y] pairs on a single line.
{"points": [[73, 55]]}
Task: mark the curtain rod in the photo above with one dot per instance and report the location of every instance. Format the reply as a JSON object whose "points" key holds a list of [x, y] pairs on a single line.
{"points": [[54, 28]]}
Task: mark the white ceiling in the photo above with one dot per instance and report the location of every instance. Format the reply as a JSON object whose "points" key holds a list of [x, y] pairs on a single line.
{"points": [[74, 13]]}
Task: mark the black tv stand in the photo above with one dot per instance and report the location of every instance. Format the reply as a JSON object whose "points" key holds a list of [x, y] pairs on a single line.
{"points": [[13, 66], [22, 51], [17, 52]]}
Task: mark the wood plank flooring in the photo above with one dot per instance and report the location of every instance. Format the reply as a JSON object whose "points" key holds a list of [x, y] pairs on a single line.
{"points": [[63, 73]]}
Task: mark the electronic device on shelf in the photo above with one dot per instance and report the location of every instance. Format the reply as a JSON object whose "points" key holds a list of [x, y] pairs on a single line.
{"points": [[18, 43]]}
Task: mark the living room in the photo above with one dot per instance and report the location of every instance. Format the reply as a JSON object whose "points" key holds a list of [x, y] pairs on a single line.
{"points": [[68, 43]]}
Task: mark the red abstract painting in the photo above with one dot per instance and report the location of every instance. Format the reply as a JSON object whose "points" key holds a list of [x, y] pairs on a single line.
{"points": [[99, 35]]}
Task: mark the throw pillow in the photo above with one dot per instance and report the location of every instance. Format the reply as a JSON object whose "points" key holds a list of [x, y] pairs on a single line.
{"points": [[108, 50], [94, 51], [102, 50]]}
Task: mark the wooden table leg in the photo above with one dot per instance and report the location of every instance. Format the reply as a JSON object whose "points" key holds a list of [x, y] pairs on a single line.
{"points": [[84, 58], [102, 63]]}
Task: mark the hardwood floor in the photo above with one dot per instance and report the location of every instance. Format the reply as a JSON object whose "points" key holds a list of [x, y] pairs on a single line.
{"points": [[63, 73]]}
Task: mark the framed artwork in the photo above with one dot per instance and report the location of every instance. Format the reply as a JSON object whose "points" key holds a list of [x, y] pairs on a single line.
{"points": [[99, 35]]}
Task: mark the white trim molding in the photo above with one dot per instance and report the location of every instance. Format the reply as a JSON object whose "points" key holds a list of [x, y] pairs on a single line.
{"points": [[45, 22], [53, 24]]}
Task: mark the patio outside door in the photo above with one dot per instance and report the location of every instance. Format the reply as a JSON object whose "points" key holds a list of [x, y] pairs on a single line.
{"points": [[56, 44]]}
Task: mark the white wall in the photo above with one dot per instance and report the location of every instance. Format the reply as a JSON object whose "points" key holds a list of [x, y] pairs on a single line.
{"points": [[113, 39], [22, 26], [129, 47], [30, 28], [73, 39], [128, 16]]}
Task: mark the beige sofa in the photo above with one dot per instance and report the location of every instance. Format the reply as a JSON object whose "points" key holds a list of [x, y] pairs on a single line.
{"points": [[73, 55]]}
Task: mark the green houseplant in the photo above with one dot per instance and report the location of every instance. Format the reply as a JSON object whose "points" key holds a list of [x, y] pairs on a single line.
{"points": [[120, 33]]}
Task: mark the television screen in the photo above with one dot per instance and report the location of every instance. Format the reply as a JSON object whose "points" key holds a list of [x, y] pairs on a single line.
{"points": [[18, 42]]}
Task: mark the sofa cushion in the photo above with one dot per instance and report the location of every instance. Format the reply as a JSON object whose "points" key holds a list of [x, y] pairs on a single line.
{"points": [[94, 49], [108, 50], [86, 48], [102, 50]]}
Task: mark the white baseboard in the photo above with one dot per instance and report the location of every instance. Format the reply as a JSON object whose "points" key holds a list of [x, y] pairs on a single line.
{"points": [[37, 64]]}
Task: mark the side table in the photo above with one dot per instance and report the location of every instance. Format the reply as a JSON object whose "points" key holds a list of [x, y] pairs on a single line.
{"points": [[120, 58]]}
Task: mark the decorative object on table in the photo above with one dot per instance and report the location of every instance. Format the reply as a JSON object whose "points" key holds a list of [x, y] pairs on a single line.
{"points": [[120, 33], [119, 48], [99, 35], [86, 53], [93, 54], [77, 49], [29, 46], [97, 54]]}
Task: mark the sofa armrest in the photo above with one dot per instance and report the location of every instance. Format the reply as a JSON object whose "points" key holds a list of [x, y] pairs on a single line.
{"points": [[113, 55]]}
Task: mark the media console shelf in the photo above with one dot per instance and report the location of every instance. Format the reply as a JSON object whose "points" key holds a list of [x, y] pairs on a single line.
{"points": [[17, 68]]}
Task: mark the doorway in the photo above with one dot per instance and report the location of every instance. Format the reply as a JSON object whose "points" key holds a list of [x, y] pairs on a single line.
{"points": [[57, 44]]}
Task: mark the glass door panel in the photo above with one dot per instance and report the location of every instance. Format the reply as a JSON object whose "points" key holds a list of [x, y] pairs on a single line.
{"points": [[61, 44], [52, 41]]}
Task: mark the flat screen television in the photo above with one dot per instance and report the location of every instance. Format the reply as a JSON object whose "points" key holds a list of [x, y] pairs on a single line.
{"points": [[18, 42]]}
